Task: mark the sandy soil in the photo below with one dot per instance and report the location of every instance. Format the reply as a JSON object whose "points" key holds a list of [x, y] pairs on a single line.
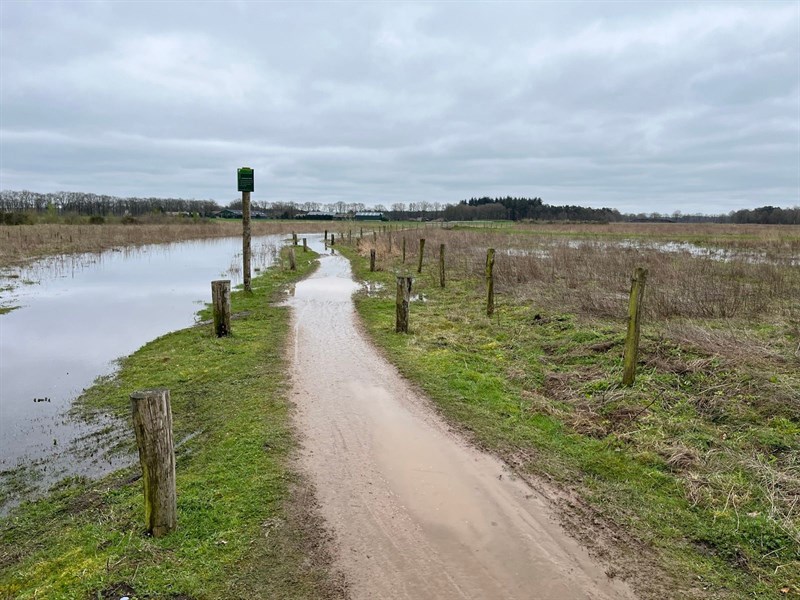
{"points": [[416, 513]]}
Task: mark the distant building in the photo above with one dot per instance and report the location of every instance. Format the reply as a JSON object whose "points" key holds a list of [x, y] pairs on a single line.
{"points": [[317, 215], [369, 216], [232, 213]]}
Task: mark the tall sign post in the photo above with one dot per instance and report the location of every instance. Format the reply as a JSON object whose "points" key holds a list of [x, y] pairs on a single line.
{"points": [[246, 184]]}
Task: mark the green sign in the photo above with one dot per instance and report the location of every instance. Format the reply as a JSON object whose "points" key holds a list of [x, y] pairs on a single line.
{"points": [[245, 179]]}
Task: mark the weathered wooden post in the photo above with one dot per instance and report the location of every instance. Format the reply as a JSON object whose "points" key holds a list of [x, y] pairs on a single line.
{"points": [[372, 260], [404, 249], [390, 242], [152, 423], [421, 253], [374, 237], [305, 245], [361, 232], [221, 302], [632, 339], [441, 265], [403, 300], [349, 236], [246, 184], [294, 239], [332, 236], [326, 236], [292, 260], [490, 282]]}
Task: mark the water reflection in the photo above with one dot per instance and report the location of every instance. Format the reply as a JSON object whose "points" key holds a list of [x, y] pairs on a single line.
{"points": [[78, 314]]}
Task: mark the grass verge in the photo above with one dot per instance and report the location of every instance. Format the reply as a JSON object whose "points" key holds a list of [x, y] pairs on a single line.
{"points": [[246, 522], [690, 473]]}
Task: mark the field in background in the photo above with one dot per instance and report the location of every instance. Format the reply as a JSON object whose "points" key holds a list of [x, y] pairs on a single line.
{"points": [[696, 466]]}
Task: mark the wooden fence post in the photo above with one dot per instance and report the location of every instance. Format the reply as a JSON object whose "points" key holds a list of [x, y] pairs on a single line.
{"points": [[372, 260], [490, 282], [221, 301], [421, 253], [360, 232], [332, 235], [326, 236], [374, 237], [294, 239], [349, 236], [403, 300], [305, 245], [390, 242], [246, 240], [152, 423], [632, 339], [441, 265], [292, 261], [404, 249]]}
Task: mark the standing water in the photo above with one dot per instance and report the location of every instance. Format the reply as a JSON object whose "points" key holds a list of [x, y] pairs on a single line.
{"points": [[76, 316]]}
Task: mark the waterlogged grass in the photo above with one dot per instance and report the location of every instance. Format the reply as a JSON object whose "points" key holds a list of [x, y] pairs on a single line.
{"points": [[245, 528], [695, 467]]}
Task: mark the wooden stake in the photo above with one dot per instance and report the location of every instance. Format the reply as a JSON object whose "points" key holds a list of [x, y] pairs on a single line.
{"points": [[490, 282], [634, 314], [332, 235], [292, 261], [441, 265], [246, 240], [403, 300], [294, 239], [152, 423], [221, 302], [326, 236], [404, 250], [372, 260], [421, 253], [305, 245]]}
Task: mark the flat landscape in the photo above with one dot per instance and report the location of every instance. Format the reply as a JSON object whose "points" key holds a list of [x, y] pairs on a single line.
{"points": [[682, 485]]}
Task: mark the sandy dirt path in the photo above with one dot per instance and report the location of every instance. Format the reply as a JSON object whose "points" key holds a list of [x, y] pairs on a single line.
{"points": [[416, 512]]}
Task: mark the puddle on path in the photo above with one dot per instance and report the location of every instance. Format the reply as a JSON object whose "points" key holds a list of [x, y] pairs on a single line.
{"points": [[416, 513]]}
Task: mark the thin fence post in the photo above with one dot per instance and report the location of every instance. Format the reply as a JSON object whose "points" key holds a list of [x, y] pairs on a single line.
{"points": [[152, 423], [349, 236], [404, 249], [390, 242], [441, 265], [634, 319], [332, 236], [490, 282], [403, 299], [421, 253], [305, 245], [360, 232], [292, 262], [294, 239], [372, 260], [326, 236], [221, 302]]}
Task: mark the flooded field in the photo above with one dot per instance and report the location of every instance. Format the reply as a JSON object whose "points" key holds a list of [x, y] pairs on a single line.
{"points": [[73, 317]]}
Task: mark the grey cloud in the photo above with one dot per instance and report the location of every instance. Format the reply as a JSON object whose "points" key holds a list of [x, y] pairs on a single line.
{"points": [[647, 106]]}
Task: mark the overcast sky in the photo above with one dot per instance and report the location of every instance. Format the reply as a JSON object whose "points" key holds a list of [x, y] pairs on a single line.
{"points": [[644, 107]]}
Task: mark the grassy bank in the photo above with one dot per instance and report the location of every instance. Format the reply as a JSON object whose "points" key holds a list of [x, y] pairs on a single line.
{"points": [[689, 481], [246, 522]]}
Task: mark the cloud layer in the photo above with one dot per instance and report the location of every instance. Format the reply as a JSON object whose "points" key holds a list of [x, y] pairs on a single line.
{"points": [[641, 107]]}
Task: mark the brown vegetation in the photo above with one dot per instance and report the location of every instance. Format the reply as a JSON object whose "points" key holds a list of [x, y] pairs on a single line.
{"points": [[21, 243]]}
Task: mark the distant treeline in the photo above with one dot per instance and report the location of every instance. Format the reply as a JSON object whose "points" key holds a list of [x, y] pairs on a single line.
{"points": [[518, 209], [81, 203], [515, 209]]}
